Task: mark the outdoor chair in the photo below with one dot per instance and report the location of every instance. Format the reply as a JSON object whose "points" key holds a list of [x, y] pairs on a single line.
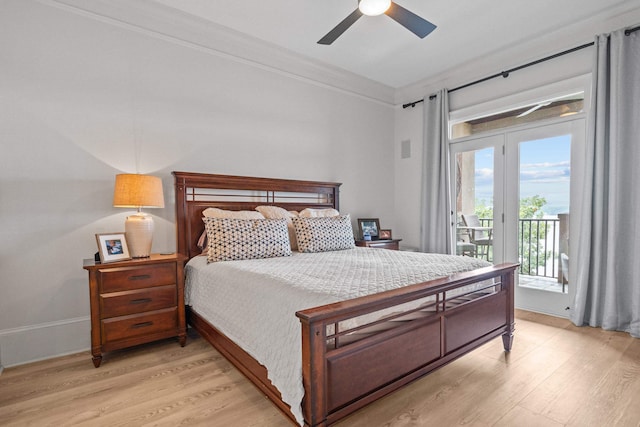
{"points": [[481, 237], [463, 245]]}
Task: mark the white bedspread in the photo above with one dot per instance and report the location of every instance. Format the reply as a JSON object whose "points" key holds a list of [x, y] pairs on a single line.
{"points": [[253, 302]]}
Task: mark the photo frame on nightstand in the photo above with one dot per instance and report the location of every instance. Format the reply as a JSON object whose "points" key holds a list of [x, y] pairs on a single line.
{"points": [[385, 235], [112, 247], [369, 227]]}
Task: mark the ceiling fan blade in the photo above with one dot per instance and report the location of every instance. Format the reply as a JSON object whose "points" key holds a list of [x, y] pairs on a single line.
{"points": [[341, 27], [412, 22]]}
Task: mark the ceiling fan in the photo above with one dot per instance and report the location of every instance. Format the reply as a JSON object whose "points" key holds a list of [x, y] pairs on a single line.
{"points": [[412, 22]]}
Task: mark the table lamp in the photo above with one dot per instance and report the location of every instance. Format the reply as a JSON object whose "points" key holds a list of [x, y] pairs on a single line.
{"points": [[138, 191]]}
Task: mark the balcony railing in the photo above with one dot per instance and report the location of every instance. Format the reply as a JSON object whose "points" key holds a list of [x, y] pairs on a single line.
{"points": [[538, 246]]}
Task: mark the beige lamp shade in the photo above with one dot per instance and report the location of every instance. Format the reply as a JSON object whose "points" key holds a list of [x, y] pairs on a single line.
{"points": [[138, 191]]}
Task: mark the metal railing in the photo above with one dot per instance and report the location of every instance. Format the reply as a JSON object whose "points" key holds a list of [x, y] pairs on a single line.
{"points": [[538, 246]]}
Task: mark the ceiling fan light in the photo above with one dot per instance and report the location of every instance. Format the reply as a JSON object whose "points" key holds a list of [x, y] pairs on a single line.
{"points": [[374, 7]]}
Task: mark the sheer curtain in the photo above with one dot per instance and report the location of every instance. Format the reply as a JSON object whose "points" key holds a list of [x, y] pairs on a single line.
{"points": [[435, 218], [607, 266]]}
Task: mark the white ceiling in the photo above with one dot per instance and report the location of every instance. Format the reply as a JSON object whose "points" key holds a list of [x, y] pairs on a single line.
{"points": [[382, 50]]}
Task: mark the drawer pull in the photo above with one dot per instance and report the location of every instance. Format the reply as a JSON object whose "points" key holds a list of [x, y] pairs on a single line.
{"points": [[140, 277], [140, 301], [141, 325]]}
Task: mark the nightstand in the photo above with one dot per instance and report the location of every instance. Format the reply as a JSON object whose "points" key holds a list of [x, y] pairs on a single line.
{"points": [[393, 244], [136, 301]]}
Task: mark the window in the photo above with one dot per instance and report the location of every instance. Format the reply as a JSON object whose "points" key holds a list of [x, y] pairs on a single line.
{"points": [[531, 112]]}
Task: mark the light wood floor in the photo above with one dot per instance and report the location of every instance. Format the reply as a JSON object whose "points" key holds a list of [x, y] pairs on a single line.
{"points": [[556, 375]]}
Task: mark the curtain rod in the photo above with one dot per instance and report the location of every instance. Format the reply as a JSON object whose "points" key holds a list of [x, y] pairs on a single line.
{"points": [[631, 30], [505, 74]]}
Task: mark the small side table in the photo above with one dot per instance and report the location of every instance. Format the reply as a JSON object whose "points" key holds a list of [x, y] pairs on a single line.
{"points": [[393, 244], [135, 302]]}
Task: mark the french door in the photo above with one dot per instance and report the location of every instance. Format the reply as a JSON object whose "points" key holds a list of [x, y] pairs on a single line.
{"points": [[518, 183], [477, 167]]}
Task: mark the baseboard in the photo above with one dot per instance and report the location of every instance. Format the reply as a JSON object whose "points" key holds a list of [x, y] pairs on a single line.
{"points": [[563, 314], [19, 346]]}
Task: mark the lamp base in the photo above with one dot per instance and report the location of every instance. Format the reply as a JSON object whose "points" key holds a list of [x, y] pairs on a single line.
{"points": [[139, 233]]}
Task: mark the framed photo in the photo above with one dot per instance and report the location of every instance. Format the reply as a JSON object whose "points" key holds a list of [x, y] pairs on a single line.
{"points": [[369, 226], [112, 247], [385, 235]]}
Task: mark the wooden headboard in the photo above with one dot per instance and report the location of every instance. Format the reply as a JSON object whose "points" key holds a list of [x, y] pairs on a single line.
{"points": [[195, 192]]}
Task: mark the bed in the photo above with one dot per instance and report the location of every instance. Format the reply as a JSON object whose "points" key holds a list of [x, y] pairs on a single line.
{"points": [[356, 350]]}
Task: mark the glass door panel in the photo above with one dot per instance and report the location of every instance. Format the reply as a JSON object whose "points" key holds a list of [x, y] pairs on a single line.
{"points": [[538, 188], [476, 190], [545, 171]]}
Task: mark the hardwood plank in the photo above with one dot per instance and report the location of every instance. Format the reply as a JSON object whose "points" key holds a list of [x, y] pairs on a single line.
{"points": [[556, 374], [614, 398], [149, 384], [521, 417], [594, 353]]}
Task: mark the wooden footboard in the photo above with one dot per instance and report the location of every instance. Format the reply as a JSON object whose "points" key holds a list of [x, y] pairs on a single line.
{"points": [[345, 368]]}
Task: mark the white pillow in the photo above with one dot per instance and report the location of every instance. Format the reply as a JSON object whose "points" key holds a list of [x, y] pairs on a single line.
{"points": [[269, 211], [315, 213], [274, 212], [236, 239], [322, 234], [222, 213]]}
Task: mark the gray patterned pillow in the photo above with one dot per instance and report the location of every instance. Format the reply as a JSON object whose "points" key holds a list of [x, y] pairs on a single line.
{"points": [[322, 234], [235, 239]]}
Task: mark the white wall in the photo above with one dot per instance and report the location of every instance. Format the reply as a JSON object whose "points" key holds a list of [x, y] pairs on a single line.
{"points": [[84, 98], [409, 121]]}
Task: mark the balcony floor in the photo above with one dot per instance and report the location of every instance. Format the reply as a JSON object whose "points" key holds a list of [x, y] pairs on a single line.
{"points": [[542, 283]]}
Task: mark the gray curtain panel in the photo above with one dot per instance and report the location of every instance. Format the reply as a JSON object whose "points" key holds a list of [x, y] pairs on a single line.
{"points": [[435, 230], [606, 263]]}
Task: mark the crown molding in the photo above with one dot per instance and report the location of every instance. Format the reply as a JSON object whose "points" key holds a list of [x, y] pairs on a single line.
{"points": [[163, 22]]}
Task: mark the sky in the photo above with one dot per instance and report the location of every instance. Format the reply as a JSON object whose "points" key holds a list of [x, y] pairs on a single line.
{"points": [[544, 171]]}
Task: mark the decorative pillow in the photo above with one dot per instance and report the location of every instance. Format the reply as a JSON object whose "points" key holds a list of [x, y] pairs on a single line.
{"points": [[322, 234], [234, 239], [222, 213], [273, 212], [315, 213]]}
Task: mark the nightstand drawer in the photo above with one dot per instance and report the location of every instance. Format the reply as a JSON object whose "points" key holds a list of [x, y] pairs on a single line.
{"points": [[134, 325], [384, 245], [393, 244], [137, 301], [126, 278]]}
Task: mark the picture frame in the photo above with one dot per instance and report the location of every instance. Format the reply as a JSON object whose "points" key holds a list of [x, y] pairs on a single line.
{"points": [[369, 226], [112, 247], [385, 234]]}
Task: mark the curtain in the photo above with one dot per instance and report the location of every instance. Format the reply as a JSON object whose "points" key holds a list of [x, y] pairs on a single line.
{"points": [[607, 267], [435, 218]]}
